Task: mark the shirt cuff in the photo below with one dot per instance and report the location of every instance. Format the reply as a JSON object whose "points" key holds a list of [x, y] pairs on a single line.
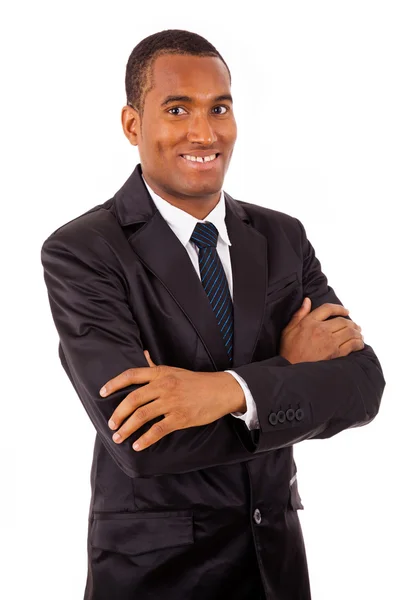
{"points": [[250, 417]]}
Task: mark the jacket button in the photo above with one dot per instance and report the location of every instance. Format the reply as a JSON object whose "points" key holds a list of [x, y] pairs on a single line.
{"points": [[257, 516], [290, 414], [273, 419], [281, 416], [299, 414]]}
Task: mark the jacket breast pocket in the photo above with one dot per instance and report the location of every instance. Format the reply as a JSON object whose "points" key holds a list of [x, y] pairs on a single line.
{"points": [[283, 287], [139, 533]]}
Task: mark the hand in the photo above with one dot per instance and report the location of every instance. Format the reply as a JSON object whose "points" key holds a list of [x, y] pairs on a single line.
{"points": [[185, 399], [309, 337]]}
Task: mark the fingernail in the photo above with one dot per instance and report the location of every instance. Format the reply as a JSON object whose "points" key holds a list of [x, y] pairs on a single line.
{"points": [[111, 424], [103, 391], [116, 437], [136, 446]]}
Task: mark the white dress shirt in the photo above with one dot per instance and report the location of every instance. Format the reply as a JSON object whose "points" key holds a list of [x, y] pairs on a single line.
{"points": [[183, 224]]}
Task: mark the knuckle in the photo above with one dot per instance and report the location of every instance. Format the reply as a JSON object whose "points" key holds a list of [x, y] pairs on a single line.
{"points": [[159, 428], [355, 344], [134, 398], [142, 414], [169, 382], [345, 349], [129, 374], [181, 418]]}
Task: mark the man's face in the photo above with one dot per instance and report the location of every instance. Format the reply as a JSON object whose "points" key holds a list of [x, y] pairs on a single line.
{"points": [[188, 113]]}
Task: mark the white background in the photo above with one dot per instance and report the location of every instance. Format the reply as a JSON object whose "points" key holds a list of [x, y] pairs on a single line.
{"points": [[316, 97]]}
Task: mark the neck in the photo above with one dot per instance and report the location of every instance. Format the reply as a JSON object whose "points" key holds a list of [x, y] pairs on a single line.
{"points": [[199, 206]]}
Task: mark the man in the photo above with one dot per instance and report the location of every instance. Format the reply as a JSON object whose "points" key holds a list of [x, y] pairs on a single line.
{"points": [[203, 341]]}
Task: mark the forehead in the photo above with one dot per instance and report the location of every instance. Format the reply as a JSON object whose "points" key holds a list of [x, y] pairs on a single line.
{"points": [[175, 74]]}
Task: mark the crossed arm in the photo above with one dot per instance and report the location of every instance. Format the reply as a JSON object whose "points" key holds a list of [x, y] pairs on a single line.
{"points": [[99, 339], [188, 399]]}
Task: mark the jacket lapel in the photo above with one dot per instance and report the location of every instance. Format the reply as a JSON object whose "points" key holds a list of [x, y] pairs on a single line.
{"points": [[163, 254], [250, 276]]}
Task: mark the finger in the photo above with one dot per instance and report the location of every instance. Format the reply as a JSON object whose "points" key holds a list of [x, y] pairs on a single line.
{"points": [[304, 309], [143, 395], [339, 323], [148, 358], [155, 433], [302, 312], [142, 415], [353, 345], [129, 377], [329, 310], [346, 334]]}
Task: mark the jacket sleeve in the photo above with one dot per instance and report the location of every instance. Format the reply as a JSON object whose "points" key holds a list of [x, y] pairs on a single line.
{"points": [[99, 339], [311, 399]]}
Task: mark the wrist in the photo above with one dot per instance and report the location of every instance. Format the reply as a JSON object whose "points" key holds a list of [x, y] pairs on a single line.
{"points": [[232, 394]]}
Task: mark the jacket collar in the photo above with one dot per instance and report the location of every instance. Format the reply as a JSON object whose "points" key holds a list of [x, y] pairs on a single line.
{"points": [[134, 204]]}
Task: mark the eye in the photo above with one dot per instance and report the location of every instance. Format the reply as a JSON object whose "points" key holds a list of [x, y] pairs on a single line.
{"points": [[222, 110], [176, 108]]}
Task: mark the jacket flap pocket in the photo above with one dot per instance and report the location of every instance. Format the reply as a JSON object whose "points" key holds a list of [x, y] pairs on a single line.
{"points": [[282, 286], [138, 533]]}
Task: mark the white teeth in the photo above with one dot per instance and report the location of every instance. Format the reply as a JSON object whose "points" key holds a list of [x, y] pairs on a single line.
{"points": [[200, 158]]}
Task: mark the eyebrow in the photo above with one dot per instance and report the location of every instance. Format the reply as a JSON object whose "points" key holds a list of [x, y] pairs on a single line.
{"points": [[170, 99]]}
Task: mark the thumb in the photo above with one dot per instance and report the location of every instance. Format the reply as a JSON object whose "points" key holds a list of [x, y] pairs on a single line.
{"points": [[147, 355], [303, 311]]}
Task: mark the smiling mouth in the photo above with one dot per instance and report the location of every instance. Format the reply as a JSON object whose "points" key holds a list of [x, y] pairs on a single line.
{"points": [[200, 159]]}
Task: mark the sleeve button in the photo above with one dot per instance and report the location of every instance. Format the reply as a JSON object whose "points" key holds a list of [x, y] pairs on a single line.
{"points": [[299, 414], [281, 416], [273, 419], [290, 414]]}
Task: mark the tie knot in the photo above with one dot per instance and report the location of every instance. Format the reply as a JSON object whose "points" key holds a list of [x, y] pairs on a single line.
{"points": [[205, 235]]}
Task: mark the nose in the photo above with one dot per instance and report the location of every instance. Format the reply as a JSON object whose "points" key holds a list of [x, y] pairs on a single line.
{"points": [[200, 130]]}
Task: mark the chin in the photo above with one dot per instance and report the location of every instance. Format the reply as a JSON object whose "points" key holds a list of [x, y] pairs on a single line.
{"points": [[203, 189]]}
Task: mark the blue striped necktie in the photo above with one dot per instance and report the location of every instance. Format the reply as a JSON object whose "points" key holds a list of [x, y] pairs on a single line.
{"points": [[215, 283]]}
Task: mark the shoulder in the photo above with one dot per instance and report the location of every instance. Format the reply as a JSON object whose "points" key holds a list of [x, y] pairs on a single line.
{"points": [[271, 223], [94, 238], [93, 222], [94, 232]]}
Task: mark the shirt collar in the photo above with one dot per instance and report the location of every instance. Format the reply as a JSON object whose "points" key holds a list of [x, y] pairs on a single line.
{"points": [[183, 224]]}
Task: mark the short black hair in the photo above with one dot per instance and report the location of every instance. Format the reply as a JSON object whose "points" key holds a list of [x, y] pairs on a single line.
{"points": [[170, 41]]}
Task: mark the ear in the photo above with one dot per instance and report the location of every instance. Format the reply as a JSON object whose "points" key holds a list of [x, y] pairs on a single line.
{"points": [[130, 120]]}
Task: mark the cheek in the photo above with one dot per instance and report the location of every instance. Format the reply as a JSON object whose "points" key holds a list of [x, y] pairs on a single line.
{"points": [[233, 132], [228, 133], [164, 139], [156, 137]]}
